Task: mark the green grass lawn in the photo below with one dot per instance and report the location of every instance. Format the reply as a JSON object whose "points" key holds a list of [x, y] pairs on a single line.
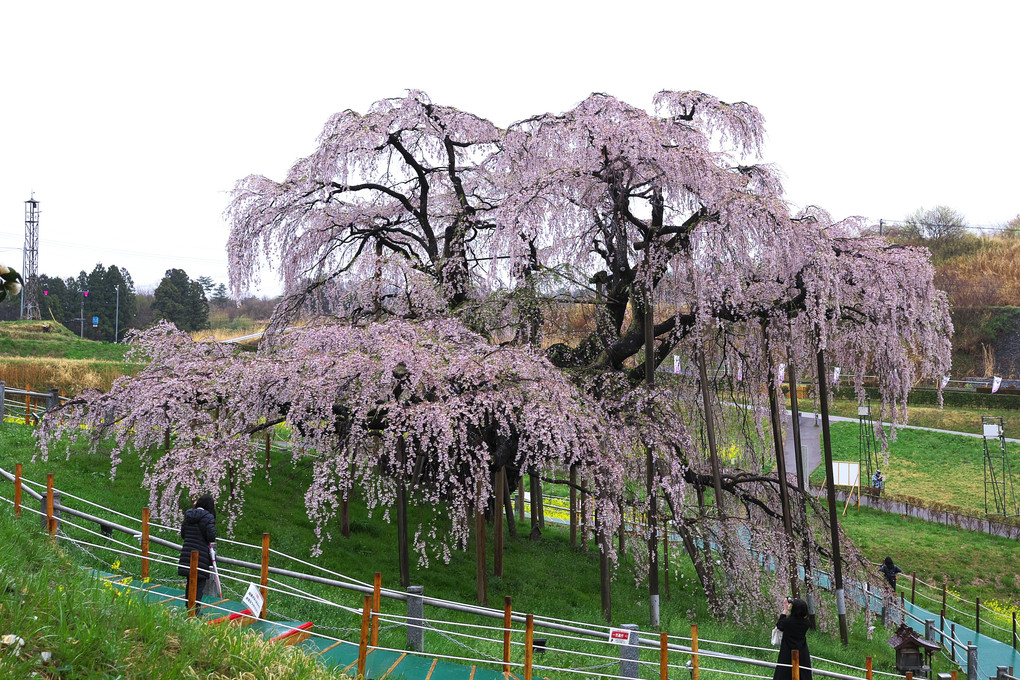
{"points": [[549, 577], [934, 466]]}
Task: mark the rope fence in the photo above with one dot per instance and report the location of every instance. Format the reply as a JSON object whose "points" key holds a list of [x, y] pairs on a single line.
{"points": [[578, 644]]}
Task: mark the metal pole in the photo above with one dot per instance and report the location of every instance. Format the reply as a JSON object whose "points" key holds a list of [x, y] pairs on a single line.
{"points": [[81, 317], [116, 318], [837, 566]]}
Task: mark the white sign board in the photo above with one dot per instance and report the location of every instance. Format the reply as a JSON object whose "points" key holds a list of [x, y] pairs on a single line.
{"points": [[864, 410], [991, 430], [846, 474], [619, 636], [253, 599]]}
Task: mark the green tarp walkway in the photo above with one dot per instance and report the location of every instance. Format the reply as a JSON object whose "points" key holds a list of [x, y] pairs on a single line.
{"points": [[379, 663]]}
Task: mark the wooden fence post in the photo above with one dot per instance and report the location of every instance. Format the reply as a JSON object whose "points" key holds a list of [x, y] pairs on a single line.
{"points": [[868, 668], [529, 639], [51, 524], [795, 664], [264, 580], [17, 491], [28, 405], [943, 598], [145, 542], [376, 589], [913, 586], [366, 614], [507, 622], [1014, 632], [663, 656], [192, 583], [694, 652]]}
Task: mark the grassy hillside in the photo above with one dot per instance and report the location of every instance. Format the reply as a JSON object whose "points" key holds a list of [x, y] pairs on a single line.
{"points": [[86, 630], [47, 355], [535, 574]]}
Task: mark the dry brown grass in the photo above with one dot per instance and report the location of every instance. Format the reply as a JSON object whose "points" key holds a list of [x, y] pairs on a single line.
{"points": [[68, 375], [989, 277], [222, 334]]}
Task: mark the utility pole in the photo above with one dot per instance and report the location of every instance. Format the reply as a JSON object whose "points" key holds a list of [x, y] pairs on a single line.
{"points": [[881, 226], [116, 318]]}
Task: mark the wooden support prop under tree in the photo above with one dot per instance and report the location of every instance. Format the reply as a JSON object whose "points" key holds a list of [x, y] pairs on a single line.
{"points": [[192, 583], [480, 566], [403, 557], [508, 505], [507, 623], [497, 522], [573, 506], [376, 602]]}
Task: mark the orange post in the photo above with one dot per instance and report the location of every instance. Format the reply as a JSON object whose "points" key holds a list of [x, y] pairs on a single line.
{"points": [[265, 574], [366, 614], [145, 542], [376, 587], [507, 622], [954, 675], [694, 652], [51, 524], [192, 583], [529, 639], [28, 405], [867, 668], [910, 676], [795, 664], [663, 656], [17, 490]]}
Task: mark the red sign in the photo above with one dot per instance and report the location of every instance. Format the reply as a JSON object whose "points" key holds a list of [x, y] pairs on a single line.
{"points": [[619, 635]]}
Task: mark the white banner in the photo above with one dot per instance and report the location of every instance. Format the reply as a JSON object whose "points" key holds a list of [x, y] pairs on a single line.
{"points": [[835, 375], [945, 381], [676, 363], [996, 381], [740, 371]]}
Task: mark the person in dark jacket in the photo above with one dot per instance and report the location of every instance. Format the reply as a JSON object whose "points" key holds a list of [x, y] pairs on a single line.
{"points": [[794, 623], [198, 531], [889, 570]]}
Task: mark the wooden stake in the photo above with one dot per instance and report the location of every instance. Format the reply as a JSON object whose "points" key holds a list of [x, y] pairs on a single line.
{"points": [[867, 668], [376, 589], [145, 542], [480, 559], [913, 586], [265, 574], [573, 506], [663, 656], [17, 490], [943, 598], [28, 405], [665, 554], [694, 652], [51, 523], [497, 524], [192, 583], [529, 639], [366, 614], [269, 443], [507, 622], [795, 663]]}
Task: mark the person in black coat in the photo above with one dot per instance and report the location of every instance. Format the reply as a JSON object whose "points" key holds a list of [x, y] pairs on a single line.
{"points": [[198, 531], [889, 570], [794, 623]]}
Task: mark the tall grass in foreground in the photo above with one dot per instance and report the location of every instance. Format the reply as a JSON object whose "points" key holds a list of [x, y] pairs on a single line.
{"points": [[86, 629], [68, 375]]}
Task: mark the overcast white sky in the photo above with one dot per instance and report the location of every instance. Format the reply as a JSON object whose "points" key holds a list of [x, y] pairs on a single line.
{"points": [[132, 121]]}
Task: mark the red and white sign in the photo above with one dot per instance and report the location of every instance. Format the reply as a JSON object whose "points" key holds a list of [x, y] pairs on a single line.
{"points": [[619, 636]]}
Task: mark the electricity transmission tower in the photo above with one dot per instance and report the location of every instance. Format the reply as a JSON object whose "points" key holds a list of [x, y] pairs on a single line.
{"points": [[30, 263]]}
